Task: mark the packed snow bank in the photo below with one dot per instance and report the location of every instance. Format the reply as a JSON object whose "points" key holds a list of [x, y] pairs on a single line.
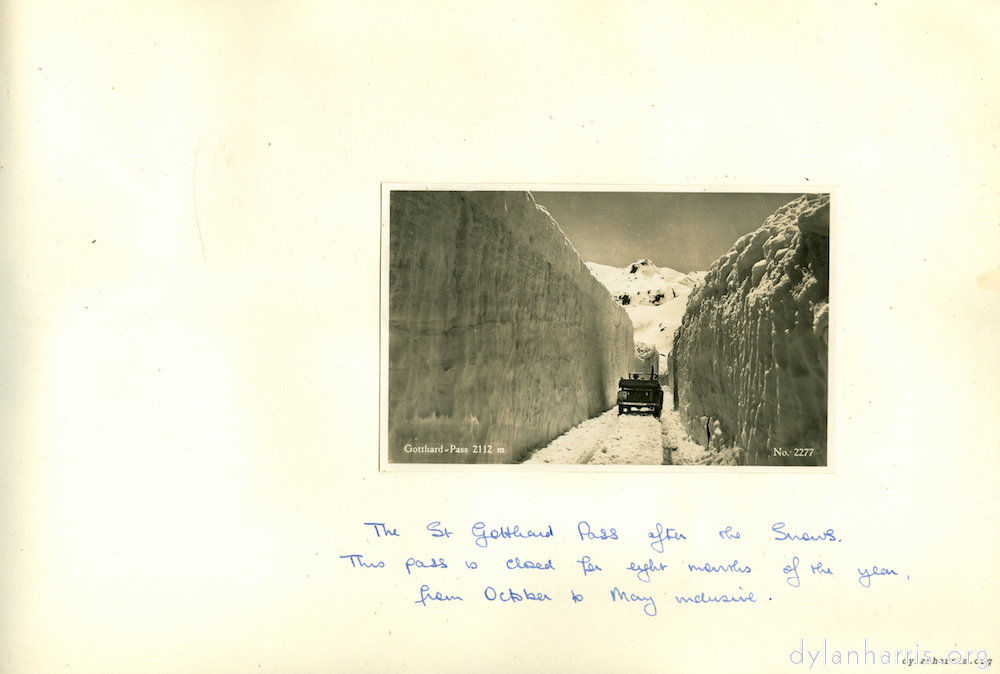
{"points": [[751, 353], [654, 298], [685, 452], [647, 358], [498, 333]]}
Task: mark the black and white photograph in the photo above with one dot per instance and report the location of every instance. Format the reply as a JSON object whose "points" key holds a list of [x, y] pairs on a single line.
{"points": [[606, 327]]}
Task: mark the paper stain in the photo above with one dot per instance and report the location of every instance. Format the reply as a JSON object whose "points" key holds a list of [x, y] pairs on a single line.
{"points": [[990, 280]]}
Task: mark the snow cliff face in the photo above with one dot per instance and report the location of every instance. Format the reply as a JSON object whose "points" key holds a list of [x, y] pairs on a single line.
{"points": [[498, 334], [751, 353], [654, 298]]}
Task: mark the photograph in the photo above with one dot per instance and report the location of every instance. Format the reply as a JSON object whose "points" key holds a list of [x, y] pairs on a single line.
{"points": [[606, 327], [519, 337]]}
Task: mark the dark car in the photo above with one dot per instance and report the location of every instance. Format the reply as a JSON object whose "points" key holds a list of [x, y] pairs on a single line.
{"points": [[640, 393]]}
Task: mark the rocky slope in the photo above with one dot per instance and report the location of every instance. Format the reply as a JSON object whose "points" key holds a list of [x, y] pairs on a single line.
{"points": [[654, 297], [751, 353], [498, 334]]}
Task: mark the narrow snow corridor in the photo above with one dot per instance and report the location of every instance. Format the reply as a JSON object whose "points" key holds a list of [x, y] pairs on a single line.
{"points": [[636, 440]]}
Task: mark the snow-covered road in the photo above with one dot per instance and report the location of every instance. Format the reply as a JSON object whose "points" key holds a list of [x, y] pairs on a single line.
{"points": [[610, 439]]}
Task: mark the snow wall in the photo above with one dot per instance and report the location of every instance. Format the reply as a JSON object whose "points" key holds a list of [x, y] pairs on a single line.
{"points": [[751, 352], [499, 335]]}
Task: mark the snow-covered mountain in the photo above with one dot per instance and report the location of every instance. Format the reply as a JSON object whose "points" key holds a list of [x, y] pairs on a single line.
{"points": [[654, 297]]}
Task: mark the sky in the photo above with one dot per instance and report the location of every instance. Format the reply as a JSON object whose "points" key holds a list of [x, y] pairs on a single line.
{"points": [[685, 231]]}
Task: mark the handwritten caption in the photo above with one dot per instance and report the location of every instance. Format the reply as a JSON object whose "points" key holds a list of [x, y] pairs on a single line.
{"points": [[518, 564]]}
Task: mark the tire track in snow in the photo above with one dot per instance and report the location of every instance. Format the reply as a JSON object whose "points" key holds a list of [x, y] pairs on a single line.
{"points": [[608, 439], [612, 440]]}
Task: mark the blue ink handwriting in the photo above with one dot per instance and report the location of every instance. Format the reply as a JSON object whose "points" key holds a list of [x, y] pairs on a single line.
{"points": [[819, 568], [865, 576], [588, 567], [645, 569], [700, 598], [516, 563], [649, 608], [483, 537], [356, 562], [778, 528], [436, 532], [793, 569], [433, 564], [708, 568], [510, 595], [583, 528], [425, 595], [728, 534], [381, 529], [662, 534]]}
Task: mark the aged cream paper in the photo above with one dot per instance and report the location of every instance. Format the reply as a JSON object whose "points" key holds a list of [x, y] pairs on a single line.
{"points": [[190, 251]]}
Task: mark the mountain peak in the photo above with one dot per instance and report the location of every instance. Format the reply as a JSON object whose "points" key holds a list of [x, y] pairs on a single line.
{"points": [[654, 297]]}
